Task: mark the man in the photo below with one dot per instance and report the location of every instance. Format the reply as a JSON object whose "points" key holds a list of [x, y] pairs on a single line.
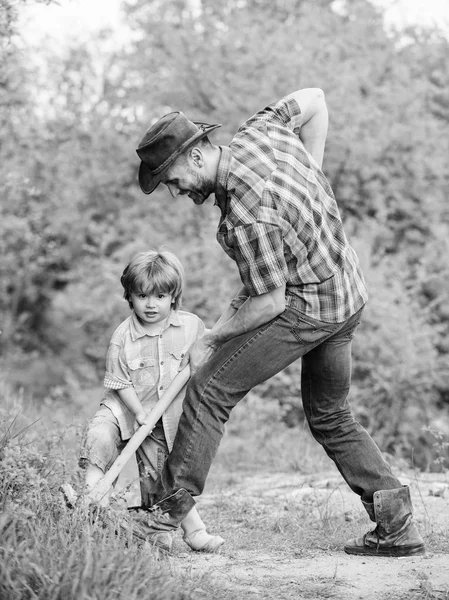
{"points": [[302, 297]]}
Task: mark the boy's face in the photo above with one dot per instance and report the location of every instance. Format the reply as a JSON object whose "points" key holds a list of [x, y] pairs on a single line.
{"points": [[151, 308]]}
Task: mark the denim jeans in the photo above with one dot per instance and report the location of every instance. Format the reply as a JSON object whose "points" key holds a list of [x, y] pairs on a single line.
{"points": [[249, 359]]}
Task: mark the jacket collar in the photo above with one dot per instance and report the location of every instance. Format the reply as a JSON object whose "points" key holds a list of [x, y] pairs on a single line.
{"points": [[137, 330]]}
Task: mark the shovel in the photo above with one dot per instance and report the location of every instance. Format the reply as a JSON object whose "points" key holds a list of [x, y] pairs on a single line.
{"points": [[100, 490]]}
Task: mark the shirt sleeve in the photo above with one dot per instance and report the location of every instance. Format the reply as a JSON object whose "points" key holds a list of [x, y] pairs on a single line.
{"points": [[285, 111], [117, 375], [289, 113], [259, 255]]}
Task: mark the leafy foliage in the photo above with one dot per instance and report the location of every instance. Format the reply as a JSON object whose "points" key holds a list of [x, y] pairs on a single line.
{"points": [[71, 214]]}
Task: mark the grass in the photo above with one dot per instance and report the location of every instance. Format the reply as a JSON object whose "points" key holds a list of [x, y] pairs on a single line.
{"points": [[264, 495], [49, 552], [425, 591]]}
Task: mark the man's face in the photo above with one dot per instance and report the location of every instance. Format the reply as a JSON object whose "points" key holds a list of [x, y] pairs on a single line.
{"points": [[186, 178]]}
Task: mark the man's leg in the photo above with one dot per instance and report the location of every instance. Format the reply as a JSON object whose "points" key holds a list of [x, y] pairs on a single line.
{"points": [[151, 457], [326, 376], [233, 370], [101, 446], [325, 383], [214, 390]]}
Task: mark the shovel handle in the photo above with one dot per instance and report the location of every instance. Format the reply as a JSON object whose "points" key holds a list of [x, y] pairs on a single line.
{"points": [[104, 484]]}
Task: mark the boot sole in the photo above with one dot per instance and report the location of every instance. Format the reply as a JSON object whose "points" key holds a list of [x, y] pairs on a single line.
{"points": [[395, 551]]}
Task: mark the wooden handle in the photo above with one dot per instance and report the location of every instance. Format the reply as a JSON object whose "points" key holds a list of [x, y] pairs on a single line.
{"points": [[103, 486]]}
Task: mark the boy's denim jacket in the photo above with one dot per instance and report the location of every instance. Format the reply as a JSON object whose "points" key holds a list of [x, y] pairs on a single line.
{"points": [[148, 363]]}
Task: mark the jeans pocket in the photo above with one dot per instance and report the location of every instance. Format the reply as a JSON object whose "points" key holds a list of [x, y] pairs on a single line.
{"points": [[310, 331], [356, 319]]}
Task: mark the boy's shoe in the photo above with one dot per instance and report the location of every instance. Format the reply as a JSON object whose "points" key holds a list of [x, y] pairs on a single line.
{"points": [[69, 495], [395, 533], [78, 501], [201, 541]]}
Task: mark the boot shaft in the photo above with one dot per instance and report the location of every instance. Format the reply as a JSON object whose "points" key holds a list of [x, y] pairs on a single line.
{"points": [[395, 533], [392, 509]]}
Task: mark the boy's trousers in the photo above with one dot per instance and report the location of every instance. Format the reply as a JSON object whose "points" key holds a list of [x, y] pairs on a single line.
{"points": [[102, 444]]}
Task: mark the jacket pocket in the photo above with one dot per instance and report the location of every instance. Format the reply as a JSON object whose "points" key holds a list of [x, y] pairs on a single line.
{"points": [[143, 371], [176, 357]]}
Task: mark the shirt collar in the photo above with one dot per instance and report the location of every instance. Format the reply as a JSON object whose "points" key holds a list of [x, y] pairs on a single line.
{"points": [[138, 331], [221, 189]]}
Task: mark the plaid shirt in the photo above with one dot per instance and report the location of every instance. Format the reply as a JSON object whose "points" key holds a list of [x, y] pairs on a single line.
{"points": [[280, 221]]}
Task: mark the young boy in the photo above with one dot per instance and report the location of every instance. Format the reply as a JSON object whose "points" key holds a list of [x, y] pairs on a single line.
{"points": [[144, 355]]}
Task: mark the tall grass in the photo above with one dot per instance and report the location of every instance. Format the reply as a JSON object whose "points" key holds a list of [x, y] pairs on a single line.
{"points": [[50, 552], [264, 497]]}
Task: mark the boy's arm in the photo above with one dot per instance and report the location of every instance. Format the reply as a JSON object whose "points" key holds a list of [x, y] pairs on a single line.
{"points": [[131, 400]]}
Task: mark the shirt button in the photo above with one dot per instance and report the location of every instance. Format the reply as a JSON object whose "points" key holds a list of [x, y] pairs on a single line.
{"points": [[162, 387], [162, 362], [160, 336], [142, 364]]}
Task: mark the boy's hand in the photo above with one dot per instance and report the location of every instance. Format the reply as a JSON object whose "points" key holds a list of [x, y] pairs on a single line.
{"points": [[141, 418]]}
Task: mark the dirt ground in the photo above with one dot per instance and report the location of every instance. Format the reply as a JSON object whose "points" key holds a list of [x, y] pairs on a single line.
{"points": [[248, 568], [280, 572]]}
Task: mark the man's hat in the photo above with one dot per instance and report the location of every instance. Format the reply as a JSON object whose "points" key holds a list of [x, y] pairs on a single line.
{"points": [[163, 143]]}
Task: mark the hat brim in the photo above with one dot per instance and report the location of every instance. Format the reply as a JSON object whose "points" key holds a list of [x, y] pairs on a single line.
{"points": [[149, 181]]}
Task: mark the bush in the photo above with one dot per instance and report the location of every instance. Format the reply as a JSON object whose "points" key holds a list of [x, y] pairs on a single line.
{"points": [[50, 552]]}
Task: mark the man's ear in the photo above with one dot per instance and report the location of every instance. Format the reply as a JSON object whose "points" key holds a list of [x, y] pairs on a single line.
{"points": [[197, 157]]}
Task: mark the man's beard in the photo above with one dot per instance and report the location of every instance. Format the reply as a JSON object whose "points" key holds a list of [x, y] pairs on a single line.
{"points": [[202, 187]]}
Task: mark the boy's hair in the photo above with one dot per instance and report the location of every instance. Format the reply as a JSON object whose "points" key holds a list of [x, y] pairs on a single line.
{"points": [[154, 272]]}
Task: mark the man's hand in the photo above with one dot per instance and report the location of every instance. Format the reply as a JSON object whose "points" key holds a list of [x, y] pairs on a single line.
{"points": [[198, 353]]}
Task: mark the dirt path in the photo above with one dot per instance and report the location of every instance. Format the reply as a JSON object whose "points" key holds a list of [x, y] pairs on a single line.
{"points": [[263, 559]]}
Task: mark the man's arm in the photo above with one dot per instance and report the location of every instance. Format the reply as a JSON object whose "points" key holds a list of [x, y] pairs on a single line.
{"points": [[233, 307], [315, 121], [254, 312]]}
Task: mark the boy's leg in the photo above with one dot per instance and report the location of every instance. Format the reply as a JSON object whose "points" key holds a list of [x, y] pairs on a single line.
{"points": [[92, 476], [101, 446]]}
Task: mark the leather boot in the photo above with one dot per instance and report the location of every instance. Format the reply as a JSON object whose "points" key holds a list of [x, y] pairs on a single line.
{"points": [[395, 533], [156, 525]]}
